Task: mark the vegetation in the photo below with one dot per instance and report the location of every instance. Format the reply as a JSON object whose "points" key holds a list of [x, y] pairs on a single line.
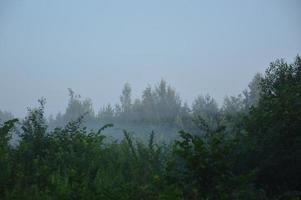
{"points": [[250, 148]]}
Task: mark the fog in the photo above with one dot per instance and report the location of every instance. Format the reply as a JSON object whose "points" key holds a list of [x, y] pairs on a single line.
{"points": [[95, 47], [157, 99]]}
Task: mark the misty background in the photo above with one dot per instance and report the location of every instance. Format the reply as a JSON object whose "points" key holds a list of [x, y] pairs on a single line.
{"points": [[161, 99], [95, 47]]}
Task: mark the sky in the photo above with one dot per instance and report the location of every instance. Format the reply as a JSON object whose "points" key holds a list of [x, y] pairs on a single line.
{"points": [[95, 46]]}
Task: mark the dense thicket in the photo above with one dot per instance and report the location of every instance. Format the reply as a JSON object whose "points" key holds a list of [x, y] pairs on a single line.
{"points": [[250, 148]]}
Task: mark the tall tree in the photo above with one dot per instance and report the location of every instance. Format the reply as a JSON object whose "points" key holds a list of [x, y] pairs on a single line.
{"points": [[252, 95], [148, 103], [77, 108], [206, 107], [274, 127], [125, 98], [167, 103]]}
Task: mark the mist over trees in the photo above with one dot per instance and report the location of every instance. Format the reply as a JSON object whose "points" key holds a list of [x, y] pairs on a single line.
{"points": [[247, 148], [5, 116], [160, 109]]}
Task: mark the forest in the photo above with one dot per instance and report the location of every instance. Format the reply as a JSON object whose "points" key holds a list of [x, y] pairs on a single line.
{"points": [[159, 147]]}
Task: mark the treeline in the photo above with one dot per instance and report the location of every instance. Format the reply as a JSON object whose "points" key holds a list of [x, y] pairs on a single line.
{"points": [[251, 150], [161, 109]]}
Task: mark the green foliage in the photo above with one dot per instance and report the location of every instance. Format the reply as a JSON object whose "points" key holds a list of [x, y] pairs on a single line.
{"points": [[207, 109], [274, 128], [6, 162], [248, 149], [74, 163], [204, 168]]}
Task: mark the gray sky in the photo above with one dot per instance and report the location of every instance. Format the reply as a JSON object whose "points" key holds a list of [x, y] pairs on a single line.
{"points": [[94, 47]]}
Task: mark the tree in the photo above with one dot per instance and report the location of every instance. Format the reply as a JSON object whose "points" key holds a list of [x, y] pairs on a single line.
{"points": [[125, 98], [274, 128], [203, 168], [148, 105], [5, 155], [167, 103], [252, 95], [77, 107], [107, 113], [206, 107]]}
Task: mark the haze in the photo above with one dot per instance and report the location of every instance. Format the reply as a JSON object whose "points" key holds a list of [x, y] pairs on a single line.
{"points": [[94, 47]]}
